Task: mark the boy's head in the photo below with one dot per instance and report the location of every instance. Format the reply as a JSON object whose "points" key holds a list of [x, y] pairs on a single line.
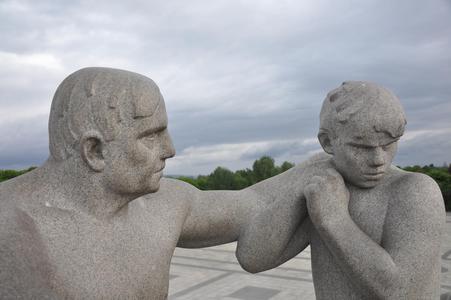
{"points": [[360, 124]]}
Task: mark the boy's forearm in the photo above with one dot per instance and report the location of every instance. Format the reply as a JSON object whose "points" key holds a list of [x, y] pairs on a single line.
{"points": [[364, 261]]}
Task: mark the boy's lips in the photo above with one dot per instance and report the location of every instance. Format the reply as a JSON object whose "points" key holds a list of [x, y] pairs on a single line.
{"points": [[373, 176]]}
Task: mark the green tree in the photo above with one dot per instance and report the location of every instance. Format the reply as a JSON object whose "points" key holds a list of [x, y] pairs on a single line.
{"points": [[221, 179], [9, 174], [286, 166], [264, 168], [239, 182], [248, 176], [224, 179]]}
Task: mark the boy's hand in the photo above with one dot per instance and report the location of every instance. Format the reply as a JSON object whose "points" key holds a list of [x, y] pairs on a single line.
{"points": [[327, 198]]}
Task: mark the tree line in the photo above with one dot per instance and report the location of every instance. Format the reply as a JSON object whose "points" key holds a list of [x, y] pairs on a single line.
{"points": [[9, 174], [442, 175], [224, 179], [263, 168]]}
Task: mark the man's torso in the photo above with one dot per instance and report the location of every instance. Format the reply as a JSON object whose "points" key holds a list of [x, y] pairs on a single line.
{"points": [[127, 256]]}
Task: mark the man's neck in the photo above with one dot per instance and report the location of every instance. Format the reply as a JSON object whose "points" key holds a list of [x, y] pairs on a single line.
{"points": [[75, 187]]}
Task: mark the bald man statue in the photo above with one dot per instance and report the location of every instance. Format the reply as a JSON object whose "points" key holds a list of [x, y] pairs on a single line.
{"points": [[76, 228]]}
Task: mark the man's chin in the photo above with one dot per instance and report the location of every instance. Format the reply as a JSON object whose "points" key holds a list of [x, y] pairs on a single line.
{"points": [[154, 184], [149, 188]]}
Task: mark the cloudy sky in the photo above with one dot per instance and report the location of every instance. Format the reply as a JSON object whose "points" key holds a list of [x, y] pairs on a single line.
{"points": [[241, 79]]}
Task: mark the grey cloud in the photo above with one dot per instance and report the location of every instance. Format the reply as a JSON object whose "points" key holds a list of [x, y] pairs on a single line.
{"points": [[426, 149], [24, 143], [247, 71]]}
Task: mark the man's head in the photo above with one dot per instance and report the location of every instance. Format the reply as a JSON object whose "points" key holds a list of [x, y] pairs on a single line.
{"points": [[115, 121], [360, 124]]}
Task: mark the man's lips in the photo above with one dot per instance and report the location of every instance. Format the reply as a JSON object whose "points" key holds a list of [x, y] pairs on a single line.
{"points": [[160, 169]]}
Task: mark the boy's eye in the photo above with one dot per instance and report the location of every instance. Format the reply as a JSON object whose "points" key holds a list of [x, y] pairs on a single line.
{"points": [[387, 146], [358, 146]]}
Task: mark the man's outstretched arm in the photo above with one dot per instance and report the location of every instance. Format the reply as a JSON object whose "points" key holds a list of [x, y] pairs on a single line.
{"points": [[402, 266], [272, 210]]}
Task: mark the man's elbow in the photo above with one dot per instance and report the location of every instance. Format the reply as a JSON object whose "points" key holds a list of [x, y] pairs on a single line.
{"points": [[251, 263], [250, 267]]}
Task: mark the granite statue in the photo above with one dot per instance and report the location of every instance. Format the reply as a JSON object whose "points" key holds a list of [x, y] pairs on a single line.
{"points": [[97, 220], [374, 229]]}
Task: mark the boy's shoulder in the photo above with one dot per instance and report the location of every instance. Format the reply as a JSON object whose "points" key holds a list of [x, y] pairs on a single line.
{"points": [[415, 191], [412, 181]]}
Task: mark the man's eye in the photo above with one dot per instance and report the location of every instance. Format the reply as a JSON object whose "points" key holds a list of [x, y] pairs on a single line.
{"points": [[149, 138]]}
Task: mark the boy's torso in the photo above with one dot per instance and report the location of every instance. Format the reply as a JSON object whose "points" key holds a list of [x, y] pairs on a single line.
{"points": [[367, 208]]}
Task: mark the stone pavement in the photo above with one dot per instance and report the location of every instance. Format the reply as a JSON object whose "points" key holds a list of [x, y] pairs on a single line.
{"points": [[214, 273]]}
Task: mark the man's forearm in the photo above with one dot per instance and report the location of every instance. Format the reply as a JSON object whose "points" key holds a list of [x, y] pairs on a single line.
{"points": [[263, 242]]}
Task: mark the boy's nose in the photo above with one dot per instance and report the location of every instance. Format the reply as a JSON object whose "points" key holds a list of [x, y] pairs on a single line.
{"points": [[377, 158]]}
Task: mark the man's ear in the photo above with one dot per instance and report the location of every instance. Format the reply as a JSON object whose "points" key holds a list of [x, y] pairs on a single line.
{"points": [[91, 146], [324, 138]]}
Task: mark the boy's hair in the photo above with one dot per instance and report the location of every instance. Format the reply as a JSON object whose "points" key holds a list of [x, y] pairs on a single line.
{"points": [[370, 101]]}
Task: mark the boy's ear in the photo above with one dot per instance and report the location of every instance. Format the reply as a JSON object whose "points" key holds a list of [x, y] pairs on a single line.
{"points": [[324, 138], [91, 148]]}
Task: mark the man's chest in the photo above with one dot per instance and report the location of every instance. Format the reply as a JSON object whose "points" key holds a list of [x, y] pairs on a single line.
{"points": [[125, 259]]}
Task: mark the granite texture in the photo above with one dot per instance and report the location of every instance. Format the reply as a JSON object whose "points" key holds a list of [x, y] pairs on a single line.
{"points": [[97, 221], [374, 230]]}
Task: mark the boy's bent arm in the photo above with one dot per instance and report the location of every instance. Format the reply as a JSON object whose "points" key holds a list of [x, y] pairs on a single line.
{"points": [[413, 233], [406, 264]]}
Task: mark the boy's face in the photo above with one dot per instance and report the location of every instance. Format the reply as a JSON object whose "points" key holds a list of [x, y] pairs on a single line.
{"points": [[362, 155]]}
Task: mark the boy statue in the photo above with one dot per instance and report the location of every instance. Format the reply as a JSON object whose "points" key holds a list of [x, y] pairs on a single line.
{"points": [[374, 229]]}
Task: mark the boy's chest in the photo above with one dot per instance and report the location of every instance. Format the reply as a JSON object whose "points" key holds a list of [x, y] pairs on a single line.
{"points": [[367, 209]]}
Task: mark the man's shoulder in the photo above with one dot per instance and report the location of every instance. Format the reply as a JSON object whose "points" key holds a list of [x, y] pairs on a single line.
{"points": [[24, 260], [170, 187], [16, 226], [313, 165], [18, 191], [172, 191]]}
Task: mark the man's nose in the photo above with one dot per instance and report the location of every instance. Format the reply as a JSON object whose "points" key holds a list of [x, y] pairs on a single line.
{"points": [[167, 146], [377, 157]]}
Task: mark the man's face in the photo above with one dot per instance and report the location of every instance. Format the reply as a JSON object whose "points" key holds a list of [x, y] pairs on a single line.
{"points": [[364, 156], [136, 158]]}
